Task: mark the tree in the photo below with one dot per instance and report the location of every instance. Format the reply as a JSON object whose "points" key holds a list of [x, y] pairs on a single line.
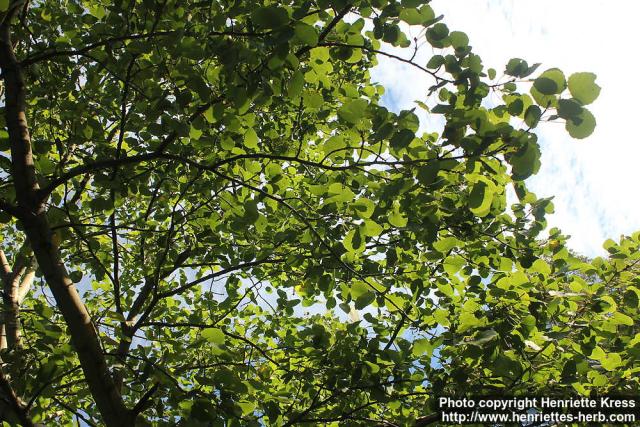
{"points": [[209, 218]]}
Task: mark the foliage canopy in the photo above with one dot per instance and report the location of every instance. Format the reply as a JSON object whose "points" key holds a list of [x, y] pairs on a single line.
{"points": [[209, 218]]}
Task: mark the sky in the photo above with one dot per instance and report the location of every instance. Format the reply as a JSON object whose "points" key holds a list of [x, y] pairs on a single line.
{"points": [[592, 179]]}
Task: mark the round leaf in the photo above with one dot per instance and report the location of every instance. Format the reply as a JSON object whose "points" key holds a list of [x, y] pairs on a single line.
{"points": [[353, 111], [458, 39], [214, 335], [581, 126], [550, 82], [270, 17], [480, 199], [583, 87], [306, 34]]}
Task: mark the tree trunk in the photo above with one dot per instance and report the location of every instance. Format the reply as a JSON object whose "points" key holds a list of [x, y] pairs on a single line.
{"points": [[36, 226]]}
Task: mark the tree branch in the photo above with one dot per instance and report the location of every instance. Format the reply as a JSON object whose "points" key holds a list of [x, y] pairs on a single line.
{"points": [[6, 268], [212, 276], [224, 331], [388, 55], [43, 56], [144, 400], [13, 401], [12, 210], [121, 161], [325, 32]]}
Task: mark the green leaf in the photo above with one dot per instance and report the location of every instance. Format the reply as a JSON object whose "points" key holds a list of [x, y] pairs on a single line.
{"points": [[397, 219], [401, 139], [358, 289], [458, 39], [428, 15], [353, 111], [372, 367], [484, 337], [453, 264], [372, 228], [95, 9], [480, 199], [632, 297], [550, 82], [195, 133], [4, 5], [544, 101], [568, 370], [214, 335], [208, 115], [609, 244], [583, 87], [516, 67], [270, 17], [295, 85], [421, 346], [87, 131], [611, 362], [569, 109], [251, 138], [532, 116], [363, 207], [76, 276], [526, 161], [541, 266], [306, 34], [340, 193], [313, 100], [437, 33], [622, 319], [353, 241], [428, 173], [411, 16], [435, 61], [516, 107], [247, 407], [392, 34], [597, 353], [582, 126], [446, 244], [251, 213]]}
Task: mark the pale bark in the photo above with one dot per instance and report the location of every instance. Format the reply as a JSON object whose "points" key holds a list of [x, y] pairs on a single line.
{"points": [[21, 275], [34, 220]]}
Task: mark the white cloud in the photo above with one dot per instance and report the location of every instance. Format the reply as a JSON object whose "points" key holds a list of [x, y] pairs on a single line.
{"points": [[592, 180]]}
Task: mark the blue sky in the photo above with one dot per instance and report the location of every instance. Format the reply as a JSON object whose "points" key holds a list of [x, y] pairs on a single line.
{"points": [[593, 180]]}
